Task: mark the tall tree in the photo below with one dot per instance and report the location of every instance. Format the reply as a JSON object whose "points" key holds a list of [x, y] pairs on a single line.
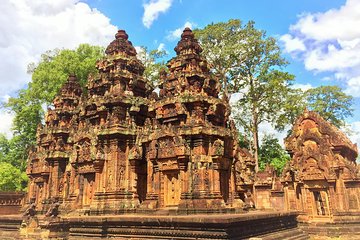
{"points": [[331, 103], [222, 45], [250, 63]]}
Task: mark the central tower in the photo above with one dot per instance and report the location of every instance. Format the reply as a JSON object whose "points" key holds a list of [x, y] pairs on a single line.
{"points": [[189, 147]]}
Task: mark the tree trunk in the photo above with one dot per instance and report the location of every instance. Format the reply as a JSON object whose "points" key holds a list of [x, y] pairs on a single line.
{"points": [[255, 133], [226, 90]]}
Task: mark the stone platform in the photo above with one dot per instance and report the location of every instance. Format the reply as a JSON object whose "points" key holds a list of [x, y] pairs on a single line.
{"points": [[10, 227], [262, 225], [345, 225]]}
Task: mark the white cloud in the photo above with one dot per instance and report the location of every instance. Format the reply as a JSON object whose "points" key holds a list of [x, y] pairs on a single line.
{"points": [[353, 87], [29, 28], [152, 10], [355, 132], [161, 47], [303, 87], [267, 129], [6, 122], [292, 44], [329, 42], [176, 34]]}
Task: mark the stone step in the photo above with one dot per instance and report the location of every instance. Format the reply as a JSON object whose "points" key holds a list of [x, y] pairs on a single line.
{"points": [[288, 234]]}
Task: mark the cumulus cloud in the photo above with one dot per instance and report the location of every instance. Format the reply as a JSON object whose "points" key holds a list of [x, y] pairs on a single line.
{"points": [[152, 10], [354, 130], [161, 47], [292, 44], [303, 87], [29, 28], [176, 34], [6, 123], [329, 42]]}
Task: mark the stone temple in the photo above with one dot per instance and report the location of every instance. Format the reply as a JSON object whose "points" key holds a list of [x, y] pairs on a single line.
{"points": [[122, 147], [122, 161]]}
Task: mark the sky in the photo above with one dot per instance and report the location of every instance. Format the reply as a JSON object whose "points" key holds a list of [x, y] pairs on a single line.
{"points": [[320, 39]]}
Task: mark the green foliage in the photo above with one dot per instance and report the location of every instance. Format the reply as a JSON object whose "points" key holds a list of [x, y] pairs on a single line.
{"points": [[153, 62], [11, 178], [331, 103], [12, 152], [223, 47], [55, 66], [249, 62], [292, 107], [271, 152], [47, 78]]}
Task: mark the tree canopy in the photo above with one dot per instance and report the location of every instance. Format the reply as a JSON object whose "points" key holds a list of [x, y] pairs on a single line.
{"points": [[249, 63], [223, 47], [272, 153], [154, 63], [331, 103], [47, 77]]}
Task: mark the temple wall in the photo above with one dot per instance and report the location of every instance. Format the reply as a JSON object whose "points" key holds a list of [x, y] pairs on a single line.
{"points": [[11, 202]]}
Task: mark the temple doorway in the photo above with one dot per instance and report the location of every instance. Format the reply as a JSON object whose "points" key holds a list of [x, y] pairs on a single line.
{"points": [[321, 203], [141, 184], [224, 185], [89, 188], [171, 189]]}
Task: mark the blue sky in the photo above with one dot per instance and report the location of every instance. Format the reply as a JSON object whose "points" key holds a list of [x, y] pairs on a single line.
{"points": [[275, 17], [319, 38]]}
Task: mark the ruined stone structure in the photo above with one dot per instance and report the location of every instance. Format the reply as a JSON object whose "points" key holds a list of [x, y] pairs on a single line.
{"points": [[268, 190], [322, 180], [11, 202], [123, 148]]}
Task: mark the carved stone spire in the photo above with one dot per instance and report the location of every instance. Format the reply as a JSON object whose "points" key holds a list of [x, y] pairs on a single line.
{"points": [[121, 44], [188, 43], [189, 71], [69, 94]]}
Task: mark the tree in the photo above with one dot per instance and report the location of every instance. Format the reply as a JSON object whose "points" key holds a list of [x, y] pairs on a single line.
{"points": [[272, 153], [47, 77], [11, 152], [248, 62], [331, 103], [222, 45], [11, 178], [55, 66], [153, 62]]}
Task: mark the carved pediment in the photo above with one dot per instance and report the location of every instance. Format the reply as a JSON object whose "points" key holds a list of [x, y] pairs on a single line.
{"points": [[312, 170]]}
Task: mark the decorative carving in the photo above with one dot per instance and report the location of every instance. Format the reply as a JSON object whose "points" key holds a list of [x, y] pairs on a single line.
{"points": [[321, 156], [120, 144]]}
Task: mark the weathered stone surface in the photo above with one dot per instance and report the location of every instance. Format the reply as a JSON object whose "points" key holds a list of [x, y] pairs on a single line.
{"points": [[322, 179], [124, 149], [11, 202], [269, 192], [121, 148]]}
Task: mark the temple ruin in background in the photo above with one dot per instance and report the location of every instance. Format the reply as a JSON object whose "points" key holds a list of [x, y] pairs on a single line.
{"points": [[322, 180]]}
